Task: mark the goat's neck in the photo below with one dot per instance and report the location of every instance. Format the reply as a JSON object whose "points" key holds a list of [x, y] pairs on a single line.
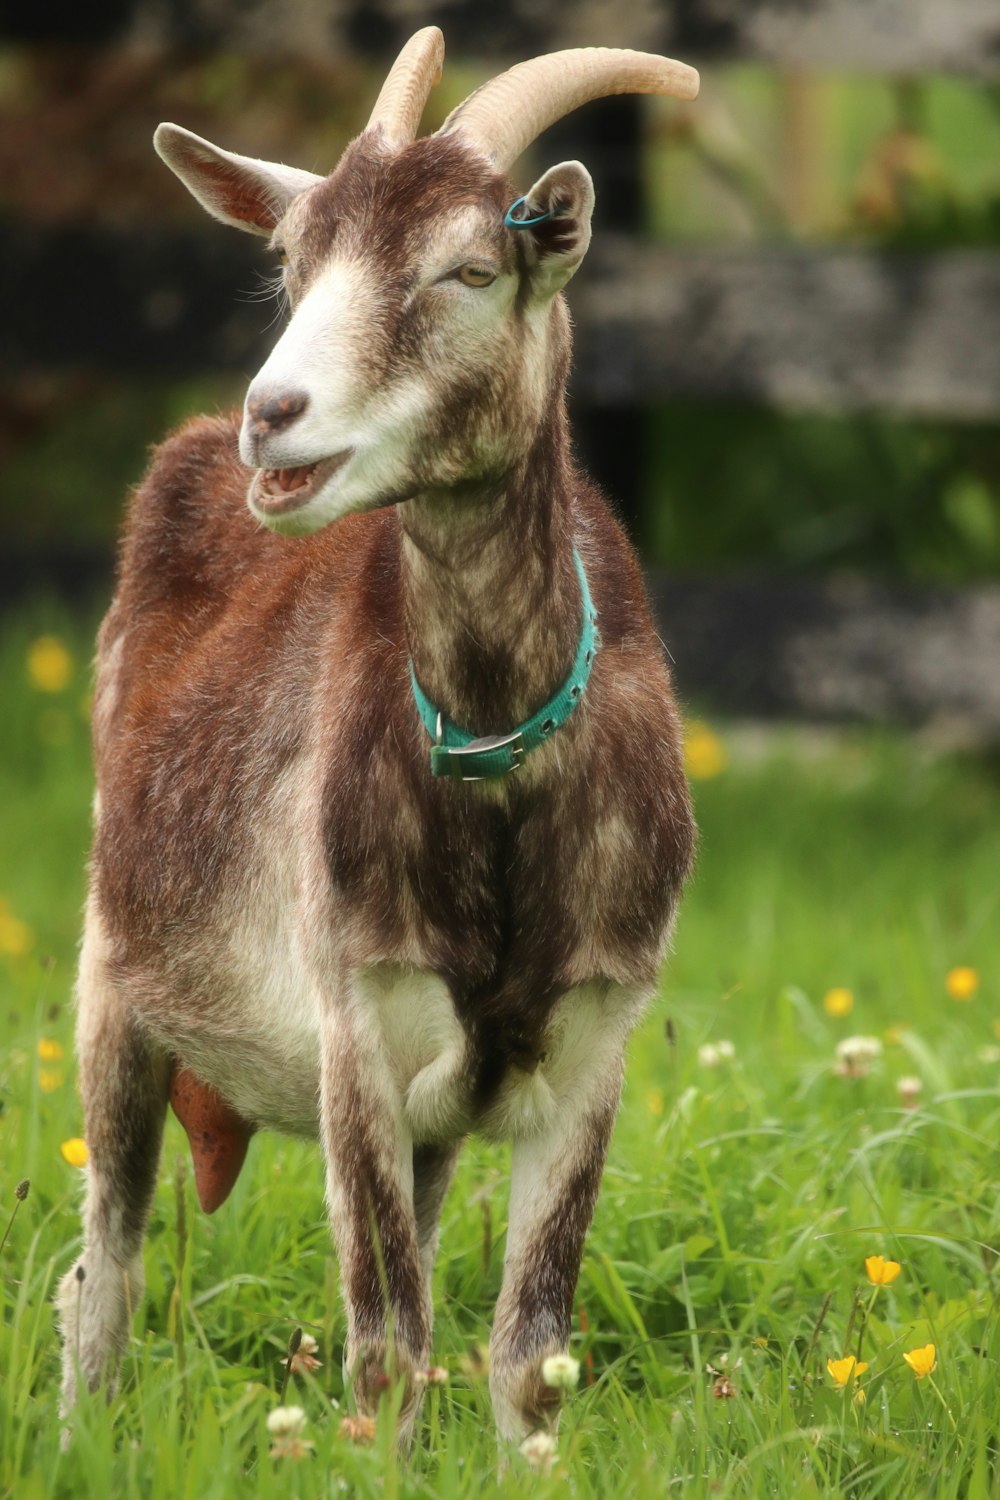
{"points": [[491, 593]]}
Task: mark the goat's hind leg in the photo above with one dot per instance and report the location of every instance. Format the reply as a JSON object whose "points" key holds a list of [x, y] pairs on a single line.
{"points": [[123, 1081]]}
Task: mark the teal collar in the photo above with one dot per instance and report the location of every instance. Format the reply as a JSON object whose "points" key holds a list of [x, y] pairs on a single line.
{"points": [[459, 754]]}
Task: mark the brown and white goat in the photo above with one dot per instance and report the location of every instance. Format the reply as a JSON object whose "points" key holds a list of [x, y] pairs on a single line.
{"points": [[292, 923]]}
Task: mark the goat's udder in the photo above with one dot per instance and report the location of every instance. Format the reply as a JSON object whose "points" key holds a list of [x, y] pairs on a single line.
{"points": [[218, 1136]]}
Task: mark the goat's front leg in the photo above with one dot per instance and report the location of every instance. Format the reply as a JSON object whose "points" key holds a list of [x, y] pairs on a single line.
{"points": [[123, 1082], [555, 1176], [554, 1183], [369, 1153]]}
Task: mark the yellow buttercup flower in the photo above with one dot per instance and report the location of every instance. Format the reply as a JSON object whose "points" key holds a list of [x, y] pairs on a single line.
{"points": [[49, 1050], [75, 1151], [843, 1370], [961, 983], [922, 1361], [15, 936], [704, 753], [50, 1079], [881, 1271], [838, 1002], [654, 1101], [50, 666]]}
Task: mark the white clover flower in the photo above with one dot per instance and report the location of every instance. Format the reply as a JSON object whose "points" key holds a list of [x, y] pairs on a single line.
{"points": [[286, 1421], [909, 1090], [433, 1375], [304, 1360], [855, 1055], [540, 1450], [561, 1371], [860, 1046], [714, 1054], [359, 1429]]}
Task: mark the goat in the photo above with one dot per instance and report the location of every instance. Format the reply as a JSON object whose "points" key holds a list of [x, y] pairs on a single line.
{"points": [[372, 860]]}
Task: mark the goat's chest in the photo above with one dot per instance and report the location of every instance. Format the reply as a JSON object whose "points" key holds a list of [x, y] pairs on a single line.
{"points": [[511, 896], [435, 1072]]}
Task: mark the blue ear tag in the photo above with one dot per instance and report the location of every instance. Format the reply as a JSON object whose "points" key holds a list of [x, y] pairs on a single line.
{"points": [[513, 223]]}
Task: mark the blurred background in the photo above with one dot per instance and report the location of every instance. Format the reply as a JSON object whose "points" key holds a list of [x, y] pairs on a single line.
{"points": [[787, 376], [788, 345]]}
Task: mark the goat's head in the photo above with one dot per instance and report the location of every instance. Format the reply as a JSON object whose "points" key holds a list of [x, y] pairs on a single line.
{"points": [[427, 339]]}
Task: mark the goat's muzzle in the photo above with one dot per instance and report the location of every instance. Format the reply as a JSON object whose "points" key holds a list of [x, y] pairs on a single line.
{"points": [[270, 413], [276, 492]]}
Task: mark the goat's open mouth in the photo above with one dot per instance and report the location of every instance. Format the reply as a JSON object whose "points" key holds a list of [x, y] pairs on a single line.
{"points": [[277, 491]]}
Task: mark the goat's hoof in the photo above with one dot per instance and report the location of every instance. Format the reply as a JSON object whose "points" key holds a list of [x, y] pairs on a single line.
{"points": [[522, 1402]]}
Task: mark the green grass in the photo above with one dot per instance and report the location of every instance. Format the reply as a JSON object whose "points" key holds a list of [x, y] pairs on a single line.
{"points": [[738, 1207]]}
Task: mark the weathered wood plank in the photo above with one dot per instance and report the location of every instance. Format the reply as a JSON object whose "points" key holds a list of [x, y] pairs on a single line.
{"points": [[802, 329], [900, 36], [836, 650]]}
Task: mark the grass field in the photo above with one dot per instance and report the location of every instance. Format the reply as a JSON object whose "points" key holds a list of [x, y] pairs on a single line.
{"points": [[744, 1192]]}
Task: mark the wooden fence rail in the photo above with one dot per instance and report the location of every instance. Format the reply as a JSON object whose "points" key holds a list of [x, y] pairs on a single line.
{"points": [[887, 36], [917, 334], [840, 649], [797, 328], [763, 645]]}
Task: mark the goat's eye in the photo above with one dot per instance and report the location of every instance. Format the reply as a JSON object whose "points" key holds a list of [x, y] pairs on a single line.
{"points": [[473, 275], [281, 254]]}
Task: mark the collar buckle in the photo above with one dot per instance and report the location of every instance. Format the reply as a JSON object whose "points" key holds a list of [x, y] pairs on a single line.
{"points": [[468, 759], [480, 760]]}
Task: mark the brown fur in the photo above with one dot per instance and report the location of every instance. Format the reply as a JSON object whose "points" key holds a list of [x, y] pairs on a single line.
{"points": [[261, 762]]}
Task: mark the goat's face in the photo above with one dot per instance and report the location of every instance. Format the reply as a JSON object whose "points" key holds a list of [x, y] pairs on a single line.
{"points": [[426, 338]]}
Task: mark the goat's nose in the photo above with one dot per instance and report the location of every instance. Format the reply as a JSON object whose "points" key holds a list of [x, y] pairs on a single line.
{"points": [[269, 412]]}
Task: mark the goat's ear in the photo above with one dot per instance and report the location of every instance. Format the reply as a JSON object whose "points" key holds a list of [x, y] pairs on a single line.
{"points": [[248, 194], [557, 246]]}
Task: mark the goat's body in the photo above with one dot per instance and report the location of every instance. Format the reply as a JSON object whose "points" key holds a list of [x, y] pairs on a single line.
{"points": [[230, 924], [293, 923]]}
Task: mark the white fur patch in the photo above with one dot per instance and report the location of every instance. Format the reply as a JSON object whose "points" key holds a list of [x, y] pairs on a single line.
{"points": [[584, 1044], [426, 1052], [424, 1045], [321, 354], [257, 1036], [325, 354]]}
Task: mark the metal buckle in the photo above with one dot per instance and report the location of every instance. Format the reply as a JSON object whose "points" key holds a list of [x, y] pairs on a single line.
{"points": [[461, 758]]}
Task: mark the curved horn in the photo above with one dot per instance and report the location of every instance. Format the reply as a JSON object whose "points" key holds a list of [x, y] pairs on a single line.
{"points": [[412, 76], [504, 116]]}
